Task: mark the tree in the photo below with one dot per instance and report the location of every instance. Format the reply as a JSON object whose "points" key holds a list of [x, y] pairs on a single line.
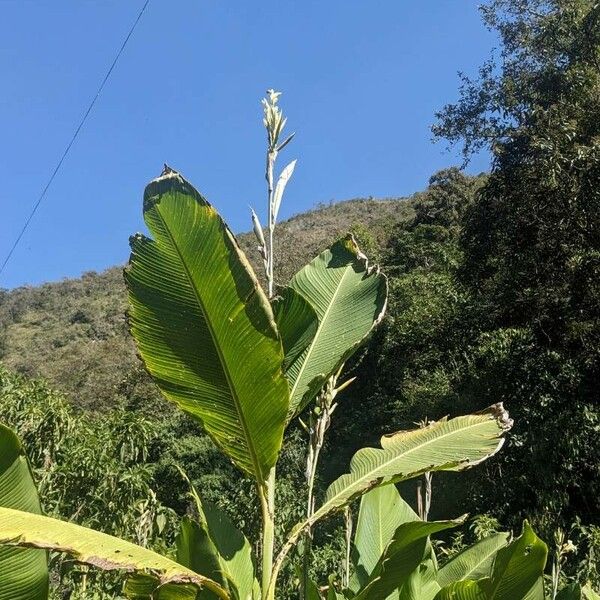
{"points": [[531, 245]]}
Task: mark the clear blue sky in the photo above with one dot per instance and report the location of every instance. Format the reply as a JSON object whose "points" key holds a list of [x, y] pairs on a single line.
{"points": [[361, 81]]}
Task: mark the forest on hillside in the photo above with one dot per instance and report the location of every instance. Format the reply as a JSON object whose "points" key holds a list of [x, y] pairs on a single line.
{"points": [[493, 295]]}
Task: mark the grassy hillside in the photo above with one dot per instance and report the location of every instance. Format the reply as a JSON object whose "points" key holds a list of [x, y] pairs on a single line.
{"points": [[74, 332]]}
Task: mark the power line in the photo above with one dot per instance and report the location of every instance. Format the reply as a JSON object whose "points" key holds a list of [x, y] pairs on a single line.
{"points": [[73, 138]]}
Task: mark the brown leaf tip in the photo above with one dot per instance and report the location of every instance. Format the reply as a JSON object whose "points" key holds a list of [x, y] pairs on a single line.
{"points": [[501, 415]]}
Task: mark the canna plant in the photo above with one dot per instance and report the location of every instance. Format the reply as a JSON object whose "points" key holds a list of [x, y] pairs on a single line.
{"points": [[244, 363]]}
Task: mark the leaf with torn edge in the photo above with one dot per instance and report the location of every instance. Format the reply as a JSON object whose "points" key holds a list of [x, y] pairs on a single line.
{"points": [[349, 298], [18, 528], [23, 572]]}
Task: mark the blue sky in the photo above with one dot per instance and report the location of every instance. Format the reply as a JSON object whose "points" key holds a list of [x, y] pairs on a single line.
{"points": [[361, 81]]}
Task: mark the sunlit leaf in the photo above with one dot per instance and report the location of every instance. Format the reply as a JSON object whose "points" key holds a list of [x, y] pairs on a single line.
{"points": [[97, 549], [349, 299], [204, 327], [23, 572]]}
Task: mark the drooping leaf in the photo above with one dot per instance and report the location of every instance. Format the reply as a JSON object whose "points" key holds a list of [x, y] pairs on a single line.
{"points": [[235, 551], [517, 572], [445, 445], [349, 299], [204, 327], [402, 556], [23, 572], [18, 528], [296, 321], [196, 550], [382, 511], [475, 562]]}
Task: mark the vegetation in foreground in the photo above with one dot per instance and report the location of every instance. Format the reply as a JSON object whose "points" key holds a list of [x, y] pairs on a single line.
{"points": [[455, 334]]}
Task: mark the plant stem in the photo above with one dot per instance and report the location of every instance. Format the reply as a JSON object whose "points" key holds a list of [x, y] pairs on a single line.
{"points": [[320, 420], [267, 502], [424, 488], [348, 523]]}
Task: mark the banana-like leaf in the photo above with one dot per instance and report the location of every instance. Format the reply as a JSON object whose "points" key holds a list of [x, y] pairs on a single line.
{"points": [[235, 552], [473, 563], [196, 550], [444, 445], [285, 176], [517, 573], [462, 590], [349, 299], [204, 327], [297, 323], [422, 584], [23, 572], [382, 511], [402, 556], [217, 549], [147, 587], [26, 530]]}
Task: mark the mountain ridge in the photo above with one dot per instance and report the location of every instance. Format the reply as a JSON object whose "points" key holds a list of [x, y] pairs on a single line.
{"points": [[74, 332]]}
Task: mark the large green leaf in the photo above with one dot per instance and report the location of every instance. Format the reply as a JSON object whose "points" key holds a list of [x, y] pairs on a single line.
{"points": [[517, 573], [403, 555], [23, 572], [235, 551], [462, 590], [196, 550], [519, 568], [97, 549], [204, 327], [382, 511], [422, 584], [444, 445], [349, 299], [475, 562], [297, 323]]}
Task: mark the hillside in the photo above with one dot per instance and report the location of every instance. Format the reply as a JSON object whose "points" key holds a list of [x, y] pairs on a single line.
{"points": [[74, 333]]}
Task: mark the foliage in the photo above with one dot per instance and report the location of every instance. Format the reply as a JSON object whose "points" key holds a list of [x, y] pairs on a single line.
{"points": [[179, 297], [531, 247]]}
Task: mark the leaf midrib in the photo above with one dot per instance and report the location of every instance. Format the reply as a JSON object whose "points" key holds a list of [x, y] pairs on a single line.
{"points": [[320, 514], [478, 564], [257, 470], [322, 322]]}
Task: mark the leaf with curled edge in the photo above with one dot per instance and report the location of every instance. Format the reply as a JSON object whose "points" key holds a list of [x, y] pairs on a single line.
{"points": [[26, 530], [349, 298], [23, 572], [445, 445]]}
